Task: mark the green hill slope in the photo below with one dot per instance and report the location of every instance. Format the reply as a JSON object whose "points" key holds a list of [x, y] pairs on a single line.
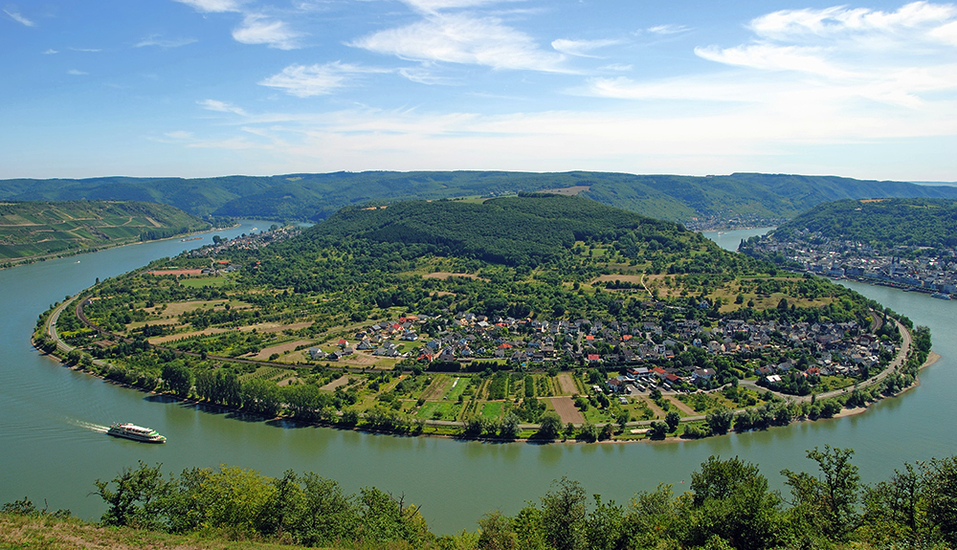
{"points": [[31, 229], [318, 196], [885, 223]]}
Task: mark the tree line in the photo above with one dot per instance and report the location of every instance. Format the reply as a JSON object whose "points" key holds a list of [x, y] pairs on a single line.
{"points": [[729, 506]]}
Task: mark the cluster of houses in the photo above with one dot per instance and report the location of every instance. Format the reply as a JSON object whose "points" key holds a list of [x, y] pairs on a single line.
{"points": [[246, 242], [855, 260], [645, 352]]}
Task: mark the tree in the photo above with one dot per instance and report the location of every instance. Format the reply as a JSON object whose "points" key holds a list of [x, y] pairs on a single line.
{"points": [[826, 502], [672, 419], [496, 533], [509, 428], [550, 425], [135, 498], [719, 420], [940, 480], [731, 500], [563, 515], [659, 430], [177, 379]]}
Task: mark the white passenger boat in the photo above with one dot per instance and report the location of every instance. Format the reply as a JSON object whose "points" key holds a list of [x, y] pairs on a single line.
{"points": [[136, 433]]}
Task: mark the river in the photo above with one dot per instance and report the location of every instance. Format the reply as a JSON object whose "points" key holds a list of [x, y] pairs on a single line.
{"points": [[52, 445]]}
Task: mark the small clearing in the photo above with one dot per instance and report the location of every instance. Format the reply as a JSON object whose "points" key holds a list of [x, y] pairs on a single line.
{"points": [[337, 383], [567, 410], [567, 385], [280, 349], [568, 191], [181, 336], [443, 275], [688, 411], [436, 389]]}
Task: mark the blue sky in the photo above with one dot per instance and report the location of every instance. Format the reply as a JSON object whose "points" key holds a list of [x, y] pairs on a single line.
{"points": [[214, 87]]}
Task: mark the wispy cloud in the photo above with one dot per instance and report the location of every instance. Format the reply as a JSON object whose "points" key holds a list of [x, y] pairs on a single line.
{"points": [[85, 50], [260, 29], [668, 29], [159, 41], [581, 48], [314, 80], [213, 6], [76, 72], [15, 14], [50, 51], [466, 39], [222, 107], [434, 6]]}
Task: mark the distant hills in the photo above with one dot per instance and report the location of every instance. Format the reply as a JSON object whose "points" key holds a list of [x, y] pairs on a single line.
{"points": [[32, 229], [884, 223], [742, 197]]}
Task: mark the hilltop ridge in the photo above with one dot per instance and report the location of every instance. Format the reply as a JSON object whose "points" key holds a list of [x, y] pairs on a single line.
{"points": [[739, 198]]}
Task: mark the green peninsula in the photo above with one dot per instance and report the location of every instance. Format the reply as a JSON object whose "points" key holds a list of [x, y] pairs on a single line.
{"points": [[532, 316]]}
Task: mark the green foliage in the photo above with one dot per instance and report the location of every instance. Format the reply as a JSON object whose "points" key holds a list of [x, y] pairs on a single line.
{"points": [[886, 223], [29, 229], [317, 196]]}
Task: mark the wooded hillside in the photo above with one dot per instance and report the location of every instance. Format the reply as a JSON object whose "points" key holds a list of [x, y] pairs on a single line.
{"points": [[29, 229], [741, 197]]}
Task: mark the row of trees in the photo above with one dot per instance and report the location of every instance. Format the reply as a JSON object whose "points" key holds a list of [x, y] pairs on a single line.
{"points": [[729, 505]]}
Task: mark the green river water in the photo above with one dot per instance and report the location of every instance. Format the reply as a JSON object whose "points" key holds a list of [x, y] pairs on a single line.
{"points": [[53, 445]]}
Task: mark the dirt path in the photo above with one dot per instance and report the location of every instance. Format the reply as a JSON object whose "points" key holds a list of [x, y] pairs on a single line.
{"points": [[337, 383], [654, 408], [265, 353], [566, 409], [436, 389], [567, 385], [688, 411]]}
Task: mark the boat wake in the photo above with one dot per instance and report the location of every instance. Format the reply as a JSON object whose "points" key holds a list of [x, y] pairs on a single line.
{"points": [[91, 426]]}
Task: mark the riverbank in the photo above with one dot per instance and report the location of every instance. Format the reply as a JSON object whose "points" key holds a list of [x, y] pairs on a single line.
{"points": [[27, 260]]}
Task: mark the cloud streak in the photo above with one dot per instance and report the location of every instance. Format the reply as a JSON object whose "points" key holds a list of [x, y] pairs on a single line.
{"points": [[464, 39], [316, 80], [15, 14]]}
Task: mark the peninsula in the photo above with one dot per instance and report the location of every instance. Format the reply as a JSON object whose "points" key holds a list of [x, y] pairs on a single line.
{"points": [[534, 316]]}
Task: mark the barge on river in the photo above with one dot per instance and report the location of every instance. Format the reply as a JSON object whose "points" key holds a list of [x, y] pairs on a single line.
{"points": [[136, 433]]}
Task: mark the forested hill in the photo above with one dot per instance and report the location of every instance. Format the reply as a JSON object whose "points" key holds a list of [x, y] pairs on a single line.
{"points": [[30, 229], [317, 196], [515, 230], [881, 223]]}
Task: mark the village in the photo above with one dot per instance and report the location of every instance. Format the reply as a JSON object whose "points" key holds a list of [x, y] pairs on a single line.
{"points": [[907, 267], [677, 357]]}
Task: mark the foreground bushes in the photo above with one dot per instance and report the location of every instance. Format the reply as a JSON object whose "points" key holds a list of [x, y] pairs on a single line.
{"points": [[729, 505]]}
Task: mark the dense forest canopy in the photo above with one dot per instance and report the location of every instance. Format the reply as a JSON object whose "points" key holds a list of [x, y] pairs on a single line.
{"points": [[884, 223], [742, 197]]}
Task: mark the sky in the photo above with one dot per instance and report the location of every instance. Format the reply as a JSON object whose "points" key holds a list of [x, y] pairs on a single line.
{"points": [[197, 88]]}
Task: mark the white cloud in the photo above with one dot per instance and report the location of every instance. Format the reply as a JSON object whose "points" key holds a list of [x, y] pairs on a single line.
{"points": [[667, 29], [775, 58], [465, 39], [14, 14], [213, 6], [179, 135], [313, 80], [158, 40], [222, 107], [86, 50], [260, 29], [76, 72], [50, 51], [433, 6], [917, 20], [581, 48]]}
